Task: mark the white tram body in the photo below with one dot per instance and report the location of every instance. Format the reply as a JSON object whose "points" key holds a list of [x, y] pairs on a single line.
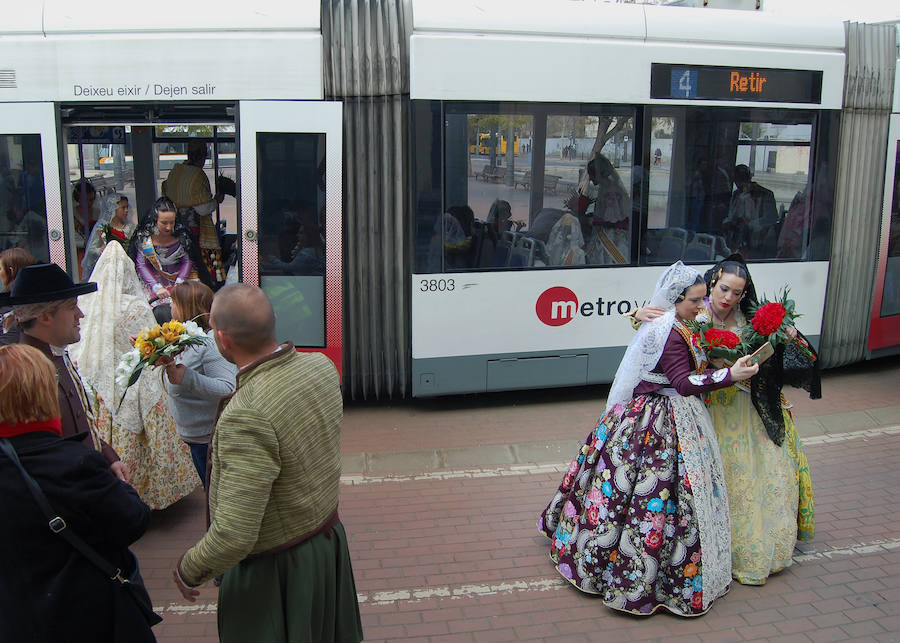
{"points": [[507, 103], [489, 328]]}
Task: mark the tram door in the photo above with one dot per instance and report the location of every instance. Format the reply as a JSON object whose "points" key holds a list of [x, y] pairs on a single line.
{"points": [[290, 216], [30, 204], [884, 331]]}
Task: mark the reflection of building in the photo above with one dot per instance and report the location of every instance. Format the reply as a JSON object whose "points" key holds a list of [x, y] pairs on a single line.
{"points": [[767, 153]]}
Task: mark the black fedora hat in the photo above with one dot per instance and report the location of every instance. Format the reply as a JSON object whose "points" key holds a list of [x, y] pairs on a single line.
{"points": [[43, 282]]}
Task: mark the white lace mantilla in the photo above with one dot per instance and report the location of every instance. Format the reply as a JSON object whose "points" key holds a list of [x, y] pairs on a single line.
{"points": [[646, 347], [703, 464], [117, 310]]}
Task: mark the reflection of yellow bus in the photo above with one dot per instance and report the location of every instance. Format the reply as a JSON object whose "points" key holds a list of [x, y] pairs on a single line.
{"points": [[484, 145]]}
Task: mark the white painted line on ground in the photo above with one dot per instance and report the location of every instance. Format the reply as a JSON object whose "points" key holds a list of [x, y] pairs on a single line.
{"points": [[560, 467], [191, 609], [493, 472], [873, 547], [415, 595], [829, 438], [463, 591]]}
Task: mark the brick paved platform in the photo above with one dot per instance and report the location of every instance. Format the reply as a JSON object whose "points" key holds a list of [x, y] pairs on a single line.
{"points": [[442, 503]]}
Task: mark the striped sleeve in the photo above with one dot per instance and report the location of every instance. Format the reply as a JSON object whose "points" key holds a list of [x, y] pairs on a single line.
{"points": [[246, 451]]}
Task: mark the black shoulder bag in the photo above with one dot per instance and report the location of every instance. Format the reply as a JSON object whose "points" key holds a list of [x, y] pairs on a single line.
{"points": [[132, 584]]}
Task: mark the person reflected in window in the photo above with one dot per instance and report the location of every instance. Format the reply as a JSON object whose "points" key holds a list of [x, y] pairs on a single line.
{"points": [[464, 252], [307, 257], [752, 216], [608, 228], [31, 187], [697, 189], [29, 231], [719, 193], [565, 243]]}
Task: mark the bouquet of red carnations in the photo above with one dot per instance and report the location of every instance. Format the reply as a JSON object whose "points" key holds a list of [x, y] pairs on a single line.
{"points": [[770, 322], [715, 342]]}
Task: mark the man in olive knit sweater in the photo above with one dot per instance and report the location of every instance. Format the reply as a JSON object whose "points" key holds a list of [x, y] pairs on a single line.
{"points": [[273, 490]]}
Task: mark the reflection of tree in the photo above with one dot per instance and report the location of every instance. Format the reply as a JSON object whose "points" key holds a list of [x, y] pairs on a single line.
{"points": [[608, 127]]}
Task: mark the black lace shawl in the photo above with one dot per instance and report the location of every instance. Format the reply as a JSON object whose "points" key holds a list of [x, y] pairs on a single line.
{"points": [[787, 366]]}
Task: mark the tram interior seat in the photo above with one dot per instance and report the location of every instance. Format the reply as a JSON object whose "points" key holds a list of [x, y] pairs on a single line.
{"points": [[702, 247], [523, 251], [671, 245]]}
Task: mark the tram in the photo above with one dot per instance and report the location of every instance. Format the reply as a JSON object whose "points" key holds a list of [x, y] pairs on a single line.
{"points": [[670, 111], [450, 266], [81, 103]]}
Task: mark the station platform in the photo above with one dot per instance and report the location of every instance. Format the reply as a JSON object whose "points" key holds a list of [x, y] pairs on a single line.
{"points": [[440, 498], [537, 426]]}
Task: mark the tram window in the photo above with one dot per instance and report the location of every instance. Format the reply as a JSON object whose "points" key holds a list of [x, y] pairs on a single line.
{"points": [[23, 209], [522, 186], [890, 301], [290, 211], [734, 180]]}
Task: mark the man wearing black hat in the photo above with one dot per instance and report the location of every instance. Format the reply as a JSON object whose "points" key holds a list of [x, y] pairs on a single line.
{"points": [[45, 305]]}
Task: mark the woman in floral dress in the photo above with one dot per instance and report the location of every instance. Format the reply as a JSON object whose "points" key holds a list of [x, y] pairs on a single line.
{"points": [[641, 516], [767, 474]]}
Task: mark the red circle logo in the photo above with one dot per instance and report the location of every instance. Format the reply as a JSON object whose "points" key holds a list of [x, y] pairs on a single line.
{"points": [[556, 306]]}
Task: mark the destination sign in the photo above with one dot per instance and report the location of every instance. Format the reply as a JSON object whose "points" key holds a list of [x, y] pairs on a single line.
{"points": [[705, 82]]}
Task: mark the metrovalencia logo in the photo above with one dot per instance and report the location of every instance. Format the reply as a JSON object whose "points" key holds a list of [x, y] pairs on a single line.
{"points": [[558, 305]]}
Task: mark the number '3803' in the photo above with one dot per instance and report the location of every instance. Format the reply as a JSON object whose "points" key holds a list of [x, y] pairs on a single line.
{"points": [[437, 285]]}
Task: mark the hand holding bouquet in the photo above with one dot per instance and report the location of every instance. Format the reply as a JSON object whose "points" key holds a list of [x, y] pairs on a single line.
{"points": [[151, 344], [773, 321]]}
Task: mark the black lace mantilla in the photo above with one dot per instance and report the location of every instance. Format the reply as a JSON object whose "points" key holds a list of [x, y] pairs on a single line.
{"points": [[788, 366]]}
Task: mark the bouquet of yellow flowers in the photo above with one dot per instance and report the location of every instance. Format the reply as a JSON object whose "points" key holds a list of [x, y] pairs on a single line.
{"points": [[167, 340]]}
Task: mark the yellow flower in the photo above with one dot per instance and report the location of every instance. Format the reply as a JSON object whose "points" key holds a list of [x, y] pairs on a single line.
{"points": [[154, 332], [169, 334], [605, 474], [146, 348], [664, 494]]}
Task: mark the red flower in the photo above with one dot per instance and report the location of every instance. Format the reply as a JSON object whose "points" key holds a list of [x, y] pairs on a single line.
{"points": [[567, 482], [697, 600], [768, 318], [716, 337], [593, 515], [653, 539]]}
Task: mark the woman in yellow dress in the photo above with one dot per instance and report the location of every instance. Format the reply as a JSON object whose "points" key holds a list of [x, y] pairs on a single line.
{"points": [[766, 472]]}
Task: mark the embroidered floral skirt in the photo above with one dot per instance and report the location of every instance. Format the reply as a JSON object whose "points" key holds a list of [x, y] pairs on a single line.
{"points": [[626, 522], [158, 461], [769, 487]]}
